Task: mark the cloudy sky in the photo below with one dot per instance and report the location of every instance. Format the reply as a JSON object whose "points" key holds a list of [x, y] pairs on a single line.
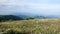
{"points": [[45, 7]]}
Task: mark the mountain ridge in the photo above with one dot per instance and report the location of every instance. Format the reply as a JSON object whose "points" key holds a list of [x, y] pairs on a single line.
{"points": [[10, 17]]}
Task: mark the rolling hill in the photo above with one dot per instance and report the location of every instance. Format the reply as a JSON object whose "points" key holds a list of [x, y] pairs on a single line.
{"points": [[10, 17]]}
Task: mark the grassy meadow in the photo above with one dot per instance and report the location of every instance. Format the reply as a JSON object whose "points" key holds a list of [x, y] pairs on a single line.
{"points": [[34, 26]]}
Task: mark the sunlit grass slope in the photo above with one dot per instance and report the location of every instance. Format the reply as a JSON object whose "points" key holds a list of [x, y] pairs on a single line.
{"points": [[36, 26]]}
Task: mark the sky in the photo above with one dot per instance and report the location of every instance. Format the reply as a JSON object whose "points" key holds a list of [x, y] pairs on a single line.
{"points": [[44, 7]]}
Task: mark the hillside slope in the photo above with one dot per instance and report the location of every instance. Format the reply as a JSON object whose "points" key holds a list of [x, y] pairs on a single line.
{"points": [[10, 17], [37, 26]]}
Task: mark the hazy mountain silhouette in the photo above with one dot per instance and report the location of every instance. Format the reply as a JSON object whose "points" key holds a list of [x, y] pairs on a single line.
{"points": [[27, 15]]}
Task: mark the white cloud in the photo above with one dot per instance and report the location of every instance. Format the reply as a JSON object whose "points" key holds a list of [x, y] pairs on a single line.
{"points": [[29, 4]]}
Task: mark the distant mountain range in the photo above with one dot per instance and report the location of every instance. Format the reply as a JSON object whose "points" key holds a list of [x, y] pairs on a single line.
{"points": [[26, 15], [22, 16]]}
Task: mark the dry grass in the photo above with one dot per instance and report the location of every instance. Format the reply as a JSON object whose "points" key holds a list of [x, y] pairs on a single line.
{"points": [[37, 26]]}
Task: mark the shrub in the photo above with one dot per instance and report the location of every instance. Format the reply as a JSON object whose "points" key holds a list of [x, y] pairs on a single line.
{"points": [[29, 18]]}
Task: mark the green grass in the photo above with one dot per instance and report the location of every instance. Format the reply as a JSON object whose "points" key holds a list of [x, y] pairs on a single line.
{"points": [[36, 26]]}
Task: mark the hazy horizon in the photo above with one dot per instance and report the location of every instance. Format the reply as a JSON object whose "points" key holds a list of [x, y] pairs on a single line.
{"points": [[43, 7]]}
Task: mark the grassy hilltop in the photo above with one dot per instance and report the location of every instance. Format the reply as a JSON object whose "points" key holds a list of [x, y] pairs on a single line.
{"points": [[35, 26]]}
